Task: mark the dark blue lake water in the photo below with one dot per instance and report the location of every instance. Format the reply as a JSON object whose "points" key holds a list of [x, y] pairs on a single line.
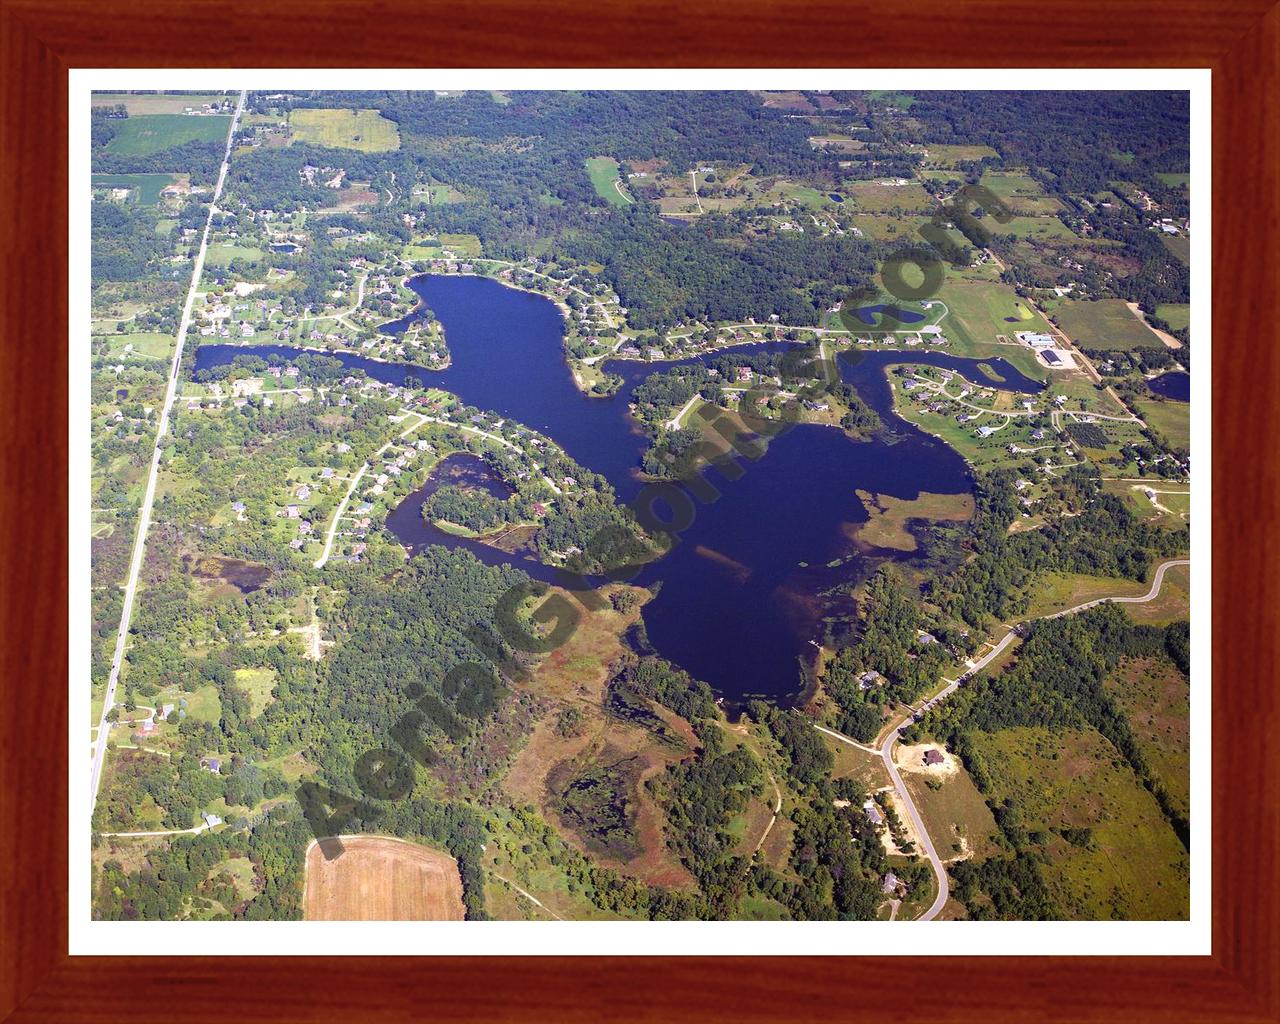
{"points": [[1172, 385], [736, 606], [867, 314]]}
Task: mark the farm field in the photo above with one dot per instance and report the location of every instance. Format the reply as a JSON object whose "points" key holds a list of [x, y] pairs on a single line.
{"points": [[603, 171], [156, 103], [363, 130], [148, 186], [1105, 324], [381, 879], [1132, 865], [151, 133]]}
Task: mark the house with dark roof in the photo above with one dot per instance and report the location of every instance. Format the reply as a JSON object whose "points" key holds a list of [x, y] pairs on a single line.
{"points": [[932, 757]]}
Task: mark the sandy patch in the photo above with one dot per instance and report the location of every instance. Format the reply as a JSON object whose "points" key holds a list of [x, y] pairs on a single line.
{"points": [[911, 759]]}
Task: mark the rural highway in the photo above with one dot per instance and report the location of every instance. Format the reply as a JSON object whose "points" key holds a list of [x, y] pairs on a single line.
{"points": [[144, 514], [894, 734]]}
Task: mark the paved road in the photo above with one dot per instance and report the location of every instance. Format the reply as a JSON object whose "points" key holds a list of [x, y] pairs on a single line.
{"points": [[144, 514], [894, 734]]}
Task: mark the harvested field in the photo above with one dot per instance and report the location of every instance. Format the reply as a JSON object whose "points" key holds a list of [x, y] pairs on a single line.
{"points": [[382, 879]]}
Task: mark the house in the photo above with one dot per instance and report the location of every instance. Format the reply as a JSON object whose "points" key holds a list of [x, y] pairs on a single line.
{"points": [[303, 492], [932, 757], [870, 679], [873, 813], [210, 820], [237, 507], [166, 710], [890, 883], [211, 764], [986, 431], [292, 512], [326, 473]]}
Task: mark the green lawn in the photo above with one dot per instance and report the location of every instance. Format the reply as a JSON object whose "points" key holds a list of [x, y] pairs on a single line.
{"points": [[364, 130], [1105, 324], [1175, 180], [151, 133], [604, 171], [147, 186]]}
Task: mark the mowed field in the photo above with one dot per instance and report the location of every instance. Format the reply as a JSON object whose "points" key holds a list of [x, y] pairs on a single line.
{"points": [[365, 130], [603, 171], [381, 879], [1105, 324], [151, 133]]}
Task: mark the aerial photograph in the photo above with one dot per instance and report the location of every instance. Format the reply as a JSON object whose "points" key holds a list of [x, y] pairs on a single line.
{"points": [[676, 505]]}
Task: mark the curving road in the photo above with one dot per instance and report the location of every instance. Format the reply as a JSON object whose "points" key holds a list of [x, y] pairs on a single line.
{"points": [[894, 733]]}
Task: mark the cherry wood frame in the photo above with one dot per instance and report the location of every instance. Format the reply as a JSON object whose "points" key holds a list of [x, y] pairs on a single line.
{"points": [[41, 39]]}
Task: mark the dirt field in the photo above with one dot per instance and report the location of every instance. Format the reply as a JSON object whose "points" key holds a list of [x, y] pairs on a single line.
{"points": [[381, 879]]}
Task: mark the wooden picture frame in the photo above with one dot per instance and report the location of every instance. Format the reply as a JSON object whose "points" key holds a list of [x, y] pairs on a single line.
{"points": [[41, 39]]}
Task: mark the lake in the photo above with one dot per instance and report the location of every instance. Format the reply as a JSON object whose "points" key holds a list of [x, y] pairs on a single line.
{"points": [[739, 596], [1176, 385]]}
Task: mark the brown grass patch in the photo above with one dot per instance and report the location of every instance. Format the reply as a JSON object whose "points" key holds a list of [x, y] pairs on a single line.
{"points": [[381, 879], [574, 676]]}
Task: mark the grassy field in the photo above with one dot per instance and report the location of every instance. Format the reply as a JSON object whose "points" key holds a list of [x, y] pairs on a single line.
{"points": [[1175, 314], [955, 813], [258, 684], [864, 767], [1156, 698], [151, 133], [870, 197], [222, 253], [378, 879], [364, 130], [1172, 419], [946, 156], [1022, 193], [1175, 180], [155, 103], [603, 171], [1133, 865], [1105, 324], [981, 310], [1179, 245], [148, 186], [142, 345], [1056, 591]]}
